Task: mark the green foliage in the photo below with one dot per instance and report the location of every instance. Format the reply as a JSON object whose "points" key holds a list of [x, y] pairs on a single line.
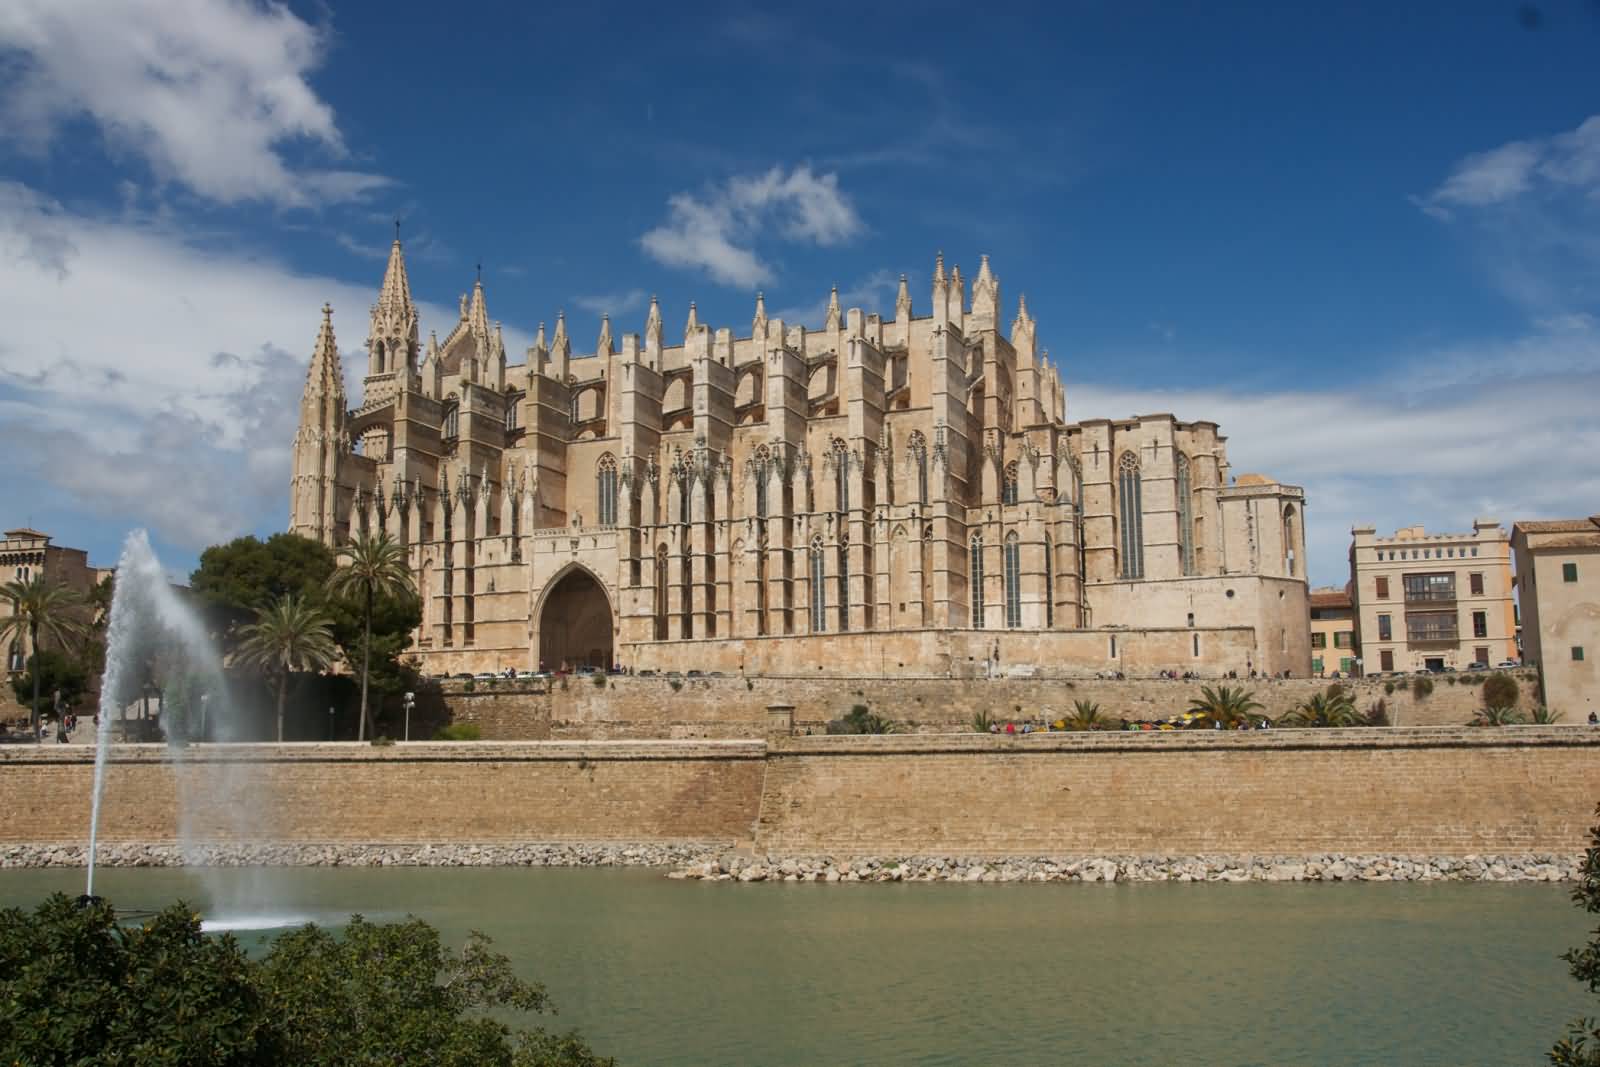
{"points": [[1581, 1046], [675, 683], [860, 720], [288, 635], [1495, 717], [43, 612], [57, 672], [1377, 714], [1543, 716], [981, 721], [77, 988], [1500, 690], [1388, 688], [371, 568], [459, 731], [1224, 704], [599, 680], [1450, 678], [1333, 708], [1421, 687], [1085, 716]]}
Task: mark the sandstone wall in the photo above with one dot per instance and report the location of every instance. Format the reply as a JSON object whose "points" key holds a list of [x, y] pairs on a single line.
{"points": [[634, 707], [1299, 792], [427, 792]]}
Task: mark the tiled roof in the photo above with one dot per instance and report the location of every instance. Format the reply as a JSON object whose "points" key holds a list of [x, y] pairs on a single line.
{"points": [[1589, 525]]}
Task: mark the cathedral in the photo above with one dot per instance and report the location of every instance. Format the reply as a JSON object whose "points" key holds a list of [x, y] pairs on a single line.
{"points": [[877, 496]]}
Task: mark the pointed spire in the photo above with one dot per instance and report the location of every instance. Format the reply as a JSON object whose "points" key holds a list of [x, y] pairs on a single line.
{"points": [[560, 339], [984, 277], [652, 327], [539, 344], [325, 376], [478, 314], [395, 293], [833, 310], [758, 325], [602, 347], [938, 269], [902, 300], [693, 324], [958, 295]]}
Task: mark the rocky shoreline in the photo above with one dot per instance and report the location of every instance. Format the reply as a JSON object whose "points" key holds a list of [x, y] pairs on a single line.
{"points": [[715, 862]]}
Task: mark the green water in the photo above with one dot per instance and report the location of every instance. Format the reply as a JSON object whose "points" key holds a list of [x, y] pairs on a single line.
{"points": [[659, 972]]}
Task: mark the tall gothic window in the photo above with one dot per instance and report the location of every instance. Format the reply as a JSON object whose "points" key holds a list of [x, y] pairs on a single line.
{"points": [[512, 403], [761, 584], [1008, 487], [661, 593], [606, 476], [1288, 539], [1049, 583], [452, 422], [686, 624], [1130, 503], [844, 583], [819, 591], [762, 463], [1185, 516], [1013, 565], [975, 570], [918, 447]]}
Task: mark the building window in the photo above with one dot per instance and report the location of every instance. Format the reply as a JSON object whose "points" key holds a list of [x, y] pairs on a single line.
{"points": [[844, 584], [1577, 653], [1431, 626], [661, 593], [841, 460], [1480, 624], [1569, 572], [1008, 486], [762, 456], [511, 413], [1185, 517], [1383, 587], [1316, 664], [1475, 584], [1343, 639], [1385, 628], [452, 422], [1288, 539], [1319, 640], [918, 447], [975, 568], [1424, 587], [819, 592], [1346, 664], [1386, 660], [1013, 565], [606, 477], [1131, 513]]}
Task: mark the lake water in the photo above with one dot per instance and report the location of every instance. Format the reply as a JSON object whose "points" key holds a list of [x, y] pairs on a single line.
{"points": [[662, 972]]}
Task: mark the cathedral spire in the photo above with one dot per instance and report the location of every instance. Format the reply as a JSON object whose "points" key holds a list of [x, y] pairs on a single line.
{"points": [[478, 313], [758, 325], [902, 300], [602, 347], [392, 335], [832, 322], [652, 327], [938, 269], [394, 295], [325, 376], [693, 324]]}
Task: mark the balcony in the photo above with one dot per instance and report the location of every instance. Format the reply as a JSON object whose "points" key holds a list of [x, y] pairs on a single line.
{"points": [[1430, 596], [1432, 635]]}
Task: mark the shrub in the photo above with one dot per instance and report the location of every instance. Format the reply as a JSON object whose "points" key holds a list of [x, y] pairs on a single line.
{"points": [[1378, 714], [1543, 716], [1450, 678], [1085, 716], [675, 683], [598, 680], [1500, 691], [459, 731], [1388, 688], [981, 721], [1495, 716], [1421, 687], [469, 685], [861, 721]]}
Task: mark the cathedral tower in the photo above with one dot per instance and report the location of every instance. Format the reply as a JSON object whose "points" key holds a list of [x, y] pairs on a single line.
{"points": [[319, 443]]}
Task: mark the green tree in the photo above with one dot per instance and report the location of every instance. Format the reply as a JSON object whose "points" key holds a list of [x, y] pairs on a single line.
{"points": [[288, 635], [1324, 709], [861, 720], [1500, 691], [1581, 1046], [1085, 716], [1224, 704], [1495, 716], [370, 567], [58, 673], [77, 987], [237, 579], [40, 608]]}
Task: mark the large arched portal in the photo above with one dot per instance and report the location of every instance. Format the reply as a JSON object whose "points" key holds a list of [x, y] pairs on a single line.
{"points": [[575, 624]]}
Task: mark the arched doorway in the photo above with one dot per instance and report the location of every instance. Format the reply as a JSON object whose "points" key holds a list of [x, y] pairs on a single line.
{"points": [[575, 623]]}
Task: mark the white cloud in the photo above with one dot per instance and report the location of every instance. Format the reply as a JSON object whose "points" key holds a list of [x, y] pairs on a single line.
{"points": [[1567, 161], [718, 230], [875, 292], [612, 303], [209, 93], [1407, 449], [157, 381]]}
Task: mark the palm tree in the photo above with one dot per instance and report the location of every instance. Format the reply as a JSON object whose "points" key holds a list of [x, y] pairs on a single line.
{"points": [[1495, 717], [1224, 705], [1543, 716], [1325, 709], [370, 567], [40, 607], [1085, 716], [288, 635]]}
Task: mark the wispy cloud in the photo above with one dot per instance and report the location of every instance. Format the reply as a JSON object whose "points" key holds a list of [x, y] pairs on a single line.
{"points": [[1567, 161], [717, 231], [612, 303], [211, 94], [875, 292]]}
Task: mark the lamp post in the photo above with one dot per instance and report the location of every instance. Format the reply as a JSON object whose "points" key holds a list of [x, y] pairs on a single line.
{"points": [[410, 702]]}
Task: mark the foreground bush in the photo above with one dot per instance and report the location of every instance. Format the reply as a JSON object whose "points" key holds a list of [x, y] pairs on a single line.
{"points": [[77, 988], [1581, 1046]]}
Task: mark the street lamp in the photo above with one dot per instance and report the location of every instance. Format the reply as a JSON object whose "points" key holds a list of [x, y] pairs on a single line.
{"points": [[410, 702]]}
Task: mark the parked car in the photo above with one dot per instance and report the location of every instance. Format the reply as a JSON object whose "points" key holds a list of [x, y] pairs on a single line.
{"points": [[716, 674], [697, 674], [1478, 666], [1505, 663], [586, 669], [648, 672], [485, 676], [464, 676]]}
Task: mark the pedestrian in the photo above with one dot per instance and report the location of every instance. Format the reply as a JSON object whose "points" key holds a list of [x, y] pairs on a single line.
{"points": [[1594, 718]]}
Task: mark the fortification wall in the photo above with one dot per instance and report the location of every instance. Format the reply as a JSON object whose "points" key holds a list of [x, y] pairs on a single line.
{"points": [[427, 792], [1299, 792], [634, 707]]}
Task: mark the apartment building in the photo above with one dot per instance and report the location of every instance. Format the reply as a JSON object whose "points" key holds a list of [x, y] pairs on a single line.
{"points": [[1435, 601], [1333, 632], [1558, 581]]}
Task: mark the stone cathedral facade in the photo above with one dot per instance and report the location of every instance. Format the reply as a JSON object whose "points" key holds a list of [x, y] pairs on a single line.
{"points": [[896, 495]]}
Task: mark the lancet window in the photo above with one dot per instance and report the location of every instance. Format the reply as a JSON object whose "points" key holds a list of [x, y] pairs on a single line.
{"points": [[606, 478], [452, 421], [1130, 513], [1013, 569], [763, 462], [1008, 487], [975, 569], [917, 446], [661, 593], [841, 469], [1185, 516], [1049, 583], [844, 583], [819, 590]]}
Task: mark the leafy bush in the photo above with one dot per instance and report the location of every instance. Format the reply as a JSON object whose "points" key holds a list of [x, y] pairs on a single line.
{"points": [[1377, 714], [1085, 716], [382, 741], [1388, 688], [1421, 687], [1495, 716], [1450, 678], [981, 721], [78, 987], [676, 683], [459, 731], [860, 720], [598, 680], [469, 685], [1581, 1046], [1543, 716], [1500, 690]]}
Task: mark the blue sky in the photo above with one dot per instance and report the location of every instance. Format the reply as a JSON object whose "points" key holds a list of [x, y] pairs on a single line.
{"points": [[1364, 238]]}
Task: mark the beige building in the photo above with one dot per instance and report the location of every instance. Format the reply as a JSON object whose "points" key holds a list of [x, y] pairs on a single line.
{"points": [[1558, 581], [25, 554], [1432, 601], [880, 495], [1333, 632]]}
